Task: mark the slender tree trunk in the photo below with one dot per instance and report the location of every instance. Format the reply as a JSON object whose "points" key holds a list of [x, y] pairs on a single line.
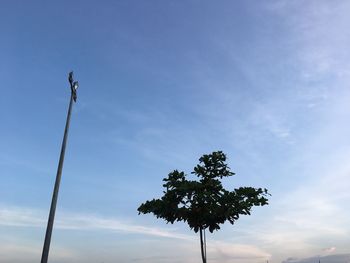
{"points": [[204, 257]]}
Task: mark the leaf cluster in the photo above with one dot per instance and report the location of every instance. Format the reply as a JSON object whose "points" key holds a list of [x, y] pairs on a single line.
{"points": [[204, 203]]}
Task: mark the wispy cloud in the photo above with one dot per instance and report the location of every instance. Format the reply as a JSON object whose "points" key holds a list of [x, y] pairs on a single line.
{"points": [[218, 251], [27, 252], [226, 252], [24, 217], [340, 258], [329, 250]]}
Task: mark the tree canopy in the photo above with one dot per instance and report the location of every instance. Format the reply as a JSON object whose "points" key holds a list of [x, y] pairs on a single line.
{"points": [[204, 203]]}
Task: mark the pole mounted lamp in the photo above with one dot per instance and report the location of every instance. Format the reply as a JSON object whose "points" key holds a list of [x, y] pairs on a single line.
{"points": [[73, 86], [46, 248]]}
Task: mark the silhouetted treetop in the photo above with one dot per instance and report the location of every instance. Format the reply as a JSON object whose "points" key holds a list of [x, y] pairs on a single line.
{"points": [[204, 203]]}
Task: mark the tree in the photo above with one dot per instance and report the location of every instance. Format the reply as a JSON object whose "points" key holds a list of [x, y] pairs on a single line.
{"points": [[204, 203]]}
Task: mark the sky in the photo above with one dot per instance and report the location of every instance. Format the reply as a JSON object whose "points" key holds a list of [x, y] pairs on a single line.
{"points": [[162, 83]]}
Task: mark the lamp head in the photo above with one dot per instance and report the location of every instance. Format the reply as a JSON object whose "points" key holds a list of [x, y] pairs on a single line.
{"points": [[75, 85]]}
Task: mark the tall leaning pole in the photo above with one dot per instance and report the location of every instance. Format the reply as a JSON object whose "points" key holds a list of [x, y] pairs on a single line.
{"points": [[73, 97]]}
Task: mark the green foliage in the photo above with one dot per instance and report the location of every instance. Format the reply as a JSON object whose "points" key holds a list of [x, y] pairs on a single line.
{"points": [[204, 203]]}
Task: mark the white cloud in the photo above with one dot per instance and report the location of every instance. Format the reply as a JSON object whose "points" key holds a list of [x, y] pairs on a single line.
{"points": [[29, 252], [340, 258], [225, 252], [218, 251], [329, 250], [24, 217]]}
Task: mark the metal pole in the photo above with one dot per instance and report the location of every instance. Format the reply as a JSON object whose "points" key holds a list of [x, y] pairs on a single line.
{"points": [[46, 248]]}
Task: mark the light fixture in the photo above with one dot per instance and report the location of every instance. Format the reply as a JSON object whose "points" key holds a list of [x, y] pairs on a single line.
{"points": [[73, 86]]}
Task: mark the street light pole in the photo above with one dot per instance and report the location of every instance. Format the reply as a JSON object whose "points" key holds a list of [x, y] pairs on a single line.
{"points": [[46, 247]]}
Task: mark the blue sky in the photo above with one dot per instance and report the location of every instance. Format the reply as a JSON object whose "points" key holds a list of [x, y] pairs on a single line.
{"points": [[161, 83]]}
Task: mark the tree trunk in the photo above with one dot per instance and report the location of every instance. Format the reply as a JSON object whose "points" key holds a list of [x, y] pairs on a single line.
{"points": [[204, 257]]}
